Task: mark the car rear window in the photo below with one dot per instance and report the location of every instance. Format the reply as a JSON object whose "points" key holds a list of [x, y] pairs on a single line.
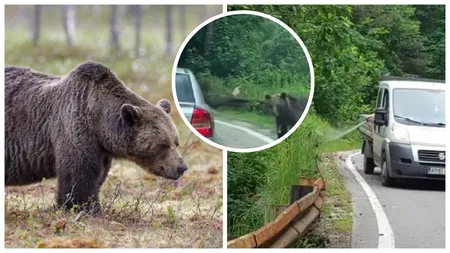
{"points": [[184, 88]]}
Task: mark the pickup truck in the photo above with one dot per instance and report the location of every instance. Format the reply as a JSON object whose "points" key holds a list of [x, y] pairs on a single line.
{"points": [[405, 137]]}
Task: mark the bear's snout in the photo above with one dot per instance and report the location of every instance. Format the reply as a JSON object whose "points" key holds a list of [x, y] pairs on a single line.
{"points": [[182, 169]]}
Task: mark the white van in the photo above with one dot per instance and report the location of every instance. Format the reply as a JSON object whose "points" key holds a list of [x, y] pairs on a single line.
{"points": [[406, 135]]}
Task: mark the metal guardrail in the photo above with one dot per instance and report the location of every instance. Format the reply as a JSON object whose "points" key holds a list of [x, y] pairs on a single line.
{"points": [[292, 223]]}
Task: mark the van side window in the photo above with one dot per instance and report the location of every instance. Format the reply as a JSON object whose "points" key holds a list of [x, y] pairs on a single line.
{"points": [[386, 99], [379, 98]]}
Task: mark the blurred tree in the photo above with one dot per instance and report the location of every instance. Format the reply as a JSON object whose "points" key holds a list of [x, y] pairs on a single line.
{"points": [[114, 28], [208, 39], [169, 30], [36, 24], [205, 14], [183, 20], [432, 30], [394, 33], [69, 16], [138, 16]]}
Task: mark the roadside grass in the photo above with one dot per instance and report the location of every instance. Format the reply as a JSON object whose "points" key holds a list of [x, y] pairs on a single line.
{"points": [[264, 121], [334, 227], [140, 210], [338, 206], [350, 141], [266, 177], [336, 221]]}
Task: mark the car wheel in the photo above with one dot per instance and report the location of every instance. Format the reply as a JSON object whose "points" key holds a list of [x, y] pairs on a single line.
{"points": [[386, 180], [369, 165]]}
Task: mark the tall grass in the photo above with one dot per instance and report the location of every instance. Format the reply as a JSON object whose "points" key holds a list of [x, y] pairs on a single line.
{"points": [[260, 181], [257, 182]]}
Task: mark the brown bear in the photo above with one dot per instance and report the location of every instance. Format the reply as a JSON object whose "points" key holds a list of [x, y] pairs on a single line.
{"points": [[71, 127], [287, 110]]}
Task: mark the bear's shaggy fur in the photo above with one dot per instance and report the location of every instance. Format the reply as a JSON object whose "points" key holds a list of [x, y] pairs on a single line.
{"points": [[286, 109], [71, 127]]}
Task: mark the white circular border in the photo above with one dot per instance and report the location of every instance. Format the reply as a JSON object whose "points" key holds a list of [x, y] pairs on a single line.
{"points": [[254, 13]]}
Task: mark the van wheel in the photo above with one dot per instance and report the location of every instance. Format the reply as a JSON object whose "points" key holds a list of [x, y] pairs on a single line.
{"points": [[386, 180], [369, 165]]}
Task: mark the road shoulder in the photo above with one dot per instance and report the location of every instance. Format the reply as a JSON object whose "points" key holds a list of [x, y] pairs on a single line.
{"points": [[334, 228], [365, 228]]}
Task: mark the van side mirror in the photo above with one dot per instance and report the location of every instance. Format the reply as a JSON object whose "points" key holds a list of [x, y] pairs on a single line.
{"points": [[381, 117]]}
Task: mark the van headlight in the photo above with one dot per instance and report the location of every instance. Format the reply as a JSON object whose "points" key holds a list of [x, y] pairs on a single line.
{"points": [[400, 133]]}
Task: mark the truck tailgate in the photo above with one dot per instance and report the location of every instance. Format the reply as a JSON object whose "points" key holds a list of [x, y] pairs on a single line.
{"points": [[366, 127]]}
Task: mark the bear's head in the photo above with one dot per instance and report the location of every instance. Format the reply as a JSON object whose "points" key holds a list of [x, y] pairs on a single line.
{"points": [[277, 103], [150, 139]]}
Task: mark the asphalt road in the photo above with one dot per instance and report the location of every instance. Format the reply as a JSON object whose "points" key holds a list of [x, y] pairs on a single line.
{"points": [[238, 134], [415, 210]]}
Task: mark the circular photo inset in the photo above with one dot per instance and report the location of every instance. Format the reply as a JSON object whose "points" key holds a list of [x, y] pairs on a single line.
{"points": [[243, 80]]}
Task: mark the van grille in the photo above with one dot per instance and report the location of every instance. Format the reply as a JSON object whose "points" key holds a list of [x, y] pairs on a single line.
{"points": [[431, 156]]}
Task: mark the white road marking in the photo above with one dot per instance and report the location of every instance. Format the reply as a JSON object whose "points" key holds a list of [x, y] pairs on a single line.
{"points": [[386, 235], [250, 132]]}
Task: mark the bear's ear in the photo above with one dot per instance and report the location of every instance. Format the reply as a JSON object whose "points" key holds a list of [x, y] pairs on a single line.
{"points": [[165, 105], [283, 95], [267, 96], [130, 114]]}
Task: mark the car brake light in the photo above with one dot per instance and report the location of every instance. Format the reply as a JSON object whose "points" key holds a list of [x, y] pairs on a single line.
{"points": [[201, 121]]}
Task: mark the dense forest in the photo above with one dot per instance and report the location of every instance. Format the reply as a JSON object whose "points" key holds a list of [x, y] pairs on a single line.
{"points": [[250, 52], [353, 46]]}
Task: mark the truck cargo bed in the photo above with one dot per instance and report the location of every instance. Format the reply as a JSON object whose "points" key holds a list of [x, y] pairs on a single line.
{"points": [[366, 128]]}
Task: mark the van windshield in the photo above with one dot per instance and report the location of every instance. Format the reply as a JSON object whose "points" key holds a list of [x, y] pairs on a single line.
{"points": [[419, 106]]}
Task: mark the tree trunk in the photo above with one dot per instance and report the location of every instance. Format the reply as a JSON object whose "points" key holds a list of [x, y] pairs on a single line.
{"points": [[36, 24], [114, 28], [168, 30], [208, 38], [138, 16], [183, 21], [205, 14], [69, 19]]}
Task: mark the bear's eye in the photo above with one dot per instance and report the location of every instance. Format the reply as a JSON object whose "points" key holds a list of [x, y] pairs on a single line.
{"points": [[164, 146]]}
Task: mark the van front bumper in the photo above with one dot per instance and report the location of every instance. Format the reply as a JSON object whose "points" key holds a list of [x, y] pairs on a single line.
{"points": [[403, 164]]}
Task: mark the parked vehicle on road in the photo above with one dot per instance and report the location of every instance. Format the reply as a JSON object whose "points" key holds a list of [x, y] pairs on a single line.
{"points": [[406, 135], [192, 103]]}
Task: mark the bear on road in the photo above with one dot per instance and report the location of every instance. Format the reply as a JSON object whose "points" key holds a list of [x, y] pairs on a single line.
{"points": [[286, 109], [72, 126]]}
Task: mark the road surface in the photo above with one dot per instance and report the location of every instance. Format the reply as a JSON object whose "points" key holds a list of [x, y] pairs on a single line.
{"points": [[238, 134], [415, 211]]}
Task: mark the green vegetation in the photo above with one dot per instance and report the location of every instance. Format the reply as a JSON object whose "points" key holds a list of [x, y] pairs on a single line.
{"points": [[249, 52], [351, 48], [259, 181]]}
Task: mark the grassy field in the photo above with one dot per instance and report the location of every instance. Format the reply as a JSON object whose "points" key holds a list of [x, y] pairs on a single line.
{"points": [[140, 210]]}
